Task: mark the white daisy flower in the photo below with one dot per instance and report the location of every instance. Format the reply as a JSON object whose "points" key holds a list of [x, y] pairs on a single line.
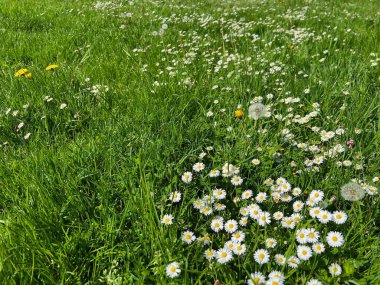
{"points": [[234, 169], [293, 262], [276, 196], [347, 163], [223, 255], [238, 236], [173, 270], [312, 235], [261, 256], [236, 180], [274, 281], [231, 226], [311, 202], [214, 173], [219, 207], [335, 239], [297, 206], [210, 254], [230, 245], [255, 161], [243, 221], [285, 187], [270, 243], [324, 217], [276, 275], [167, 219], [239, 249], [187, 177], [314, 282], [246, 194], [175, 196], [188, 237], [318, 248], [256, 278], [304, 252], [217, 224], [296, 217], [335, 269], [206, 210], [261, 197], [254, 211], [219, 194], [317, 195], [372, 190], [198, 167], [288, 223], [244, 211], [286, 198], [301, 236], [278, 216], [315, 212], [280, 259], [339, 217], [198, 204], [264, 219]]}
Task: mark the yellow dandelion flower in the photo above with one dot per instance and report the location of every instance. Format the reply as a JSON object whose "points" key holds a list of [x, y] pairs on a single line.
{"points": [[21, 72], [28, 75], [51, 66], [239, 114]]}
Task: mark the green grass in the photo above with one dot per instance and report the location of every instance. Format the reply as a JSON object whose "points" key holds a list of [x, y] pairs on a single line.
{"points": [[81, 200]]}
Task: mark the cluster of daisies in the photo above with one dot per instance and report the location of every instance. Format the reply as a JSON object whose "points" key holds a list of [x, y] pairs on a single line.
{"points": [[226, 234], [238, 221], [314, 151]]}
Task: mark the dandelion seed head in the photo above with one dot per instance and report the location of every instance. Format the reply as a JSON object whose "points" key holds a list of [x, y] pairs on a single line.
{"points": [[352, 192], [257, 111]]}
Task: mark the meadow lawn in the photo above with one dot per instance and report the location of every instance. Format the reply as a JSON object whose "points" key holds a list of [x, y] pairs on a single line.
{"points": [[185, 142]]}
